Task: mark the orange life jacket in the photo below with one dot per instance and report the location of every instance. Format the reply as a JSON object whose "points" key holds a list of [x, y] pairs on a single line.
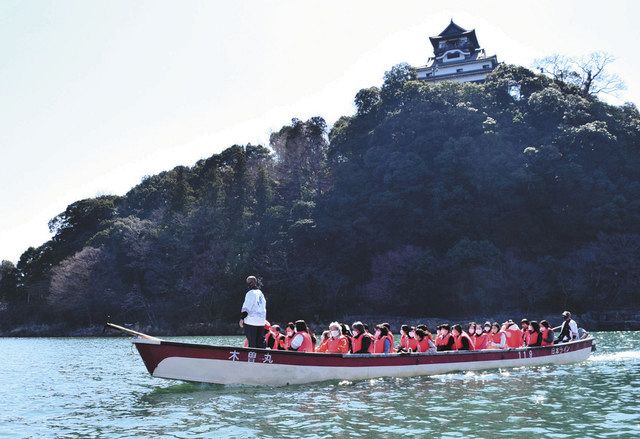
{"points": [[532, 340], [412, 344], [323, 346], [372, 338], [545, 335], [514, 337], [275, 339], [525, 337], [445, 340], [307, 344], [422, 345], [481, 341], [391, 343], [458, 342], [378, 345], [338, 345], [404, 341], [497, 337], [356, 342]]}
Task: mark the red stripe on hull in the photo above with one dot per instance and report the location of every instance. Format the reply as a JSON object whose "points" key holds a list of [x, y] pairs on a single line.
{"points": [[153, 354]]}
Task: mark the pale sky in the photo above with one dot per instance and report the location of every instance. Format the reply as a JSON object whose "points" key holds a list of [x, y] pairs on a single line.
{"points": [[94, 95]]}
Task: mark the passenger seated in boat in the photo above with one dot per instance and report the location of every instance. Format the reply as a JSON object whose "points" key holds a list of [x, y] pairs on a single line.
{"points": [[336, 343], [368, 331], [361, 341], [524, 326], [289, 332], [274, 339], [438, 335], [301, 341], [413, 341], [347, 333], [408, 342], [404, 337], [481, 338], [424, 341], [547, 335], [390, 335], [514, 334], [438, 338], [381, 341], [535, 337], [462, 341], [471, 329], [314, 340], [498, 338], [446, 339], [324, 338], [568, 329]]}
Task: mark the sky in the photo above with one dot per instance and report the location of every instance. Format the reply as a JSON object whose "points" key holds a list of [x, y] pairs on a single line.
{"points": [[94, 95]]}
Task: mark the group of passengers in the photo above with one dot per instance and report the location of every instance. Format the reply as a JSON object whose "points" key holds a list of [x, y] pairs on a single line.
{"points": [[359, 339]]}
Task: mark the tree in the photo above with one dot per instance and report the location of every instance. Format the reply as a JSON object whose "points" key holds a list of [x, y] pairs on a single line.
{"points": [[8, 280], [82, 287], [486, 198], [181, 195], [590, 73], [394, 80], [367, 100], [300, 153]]}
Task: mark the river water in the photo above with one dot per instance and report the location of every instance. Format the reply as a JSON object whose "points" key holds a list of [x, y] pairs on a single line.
{"points": [[98, 387]]}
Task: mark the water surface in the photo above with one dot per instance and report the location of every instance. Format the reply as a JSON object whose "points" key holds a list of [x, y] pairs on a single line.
{"points": [[98, 387]]}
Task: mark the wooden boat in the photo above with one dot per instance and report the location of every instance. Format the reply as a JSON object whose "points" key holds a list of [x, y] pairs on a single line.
{"points": [[237, 365]]}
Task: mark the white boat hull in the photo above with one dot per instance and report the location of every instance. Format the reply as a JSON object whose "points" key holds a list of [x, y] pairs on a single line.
{"points": [[230, 365]]}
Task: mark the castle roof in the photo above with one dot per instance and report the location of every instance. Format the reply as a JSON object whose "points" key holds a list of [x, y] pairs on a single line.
{"points": [[452, 29], [452, 32]]}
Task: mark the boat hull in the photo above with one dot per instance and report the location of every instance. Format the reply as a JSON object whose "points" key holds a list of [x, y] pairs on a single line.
{"points": [[234, 365]]}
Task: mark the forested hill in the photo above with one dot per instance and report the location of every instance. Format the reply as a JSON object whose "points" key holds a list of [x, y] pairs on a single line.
{"points": [[520, 194]]}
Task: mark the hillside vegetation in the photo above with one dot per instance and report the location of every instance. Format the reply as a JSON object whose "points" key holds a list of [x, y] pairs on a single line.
{"points": [[519, 194]]}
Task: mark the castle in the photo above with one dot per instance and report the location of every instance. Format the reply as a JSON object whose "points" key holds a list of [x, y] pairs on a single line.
{"points": [[457, 56]]}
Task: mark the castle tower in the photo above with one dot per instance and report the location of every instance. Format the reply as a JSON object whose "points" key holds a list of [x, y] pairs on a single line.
{"points": [[457, 57]]}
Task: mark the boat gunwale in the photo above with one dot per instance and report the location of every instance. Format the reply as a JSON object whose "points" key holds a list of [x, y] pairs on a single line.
{"points": [[367, 355]]}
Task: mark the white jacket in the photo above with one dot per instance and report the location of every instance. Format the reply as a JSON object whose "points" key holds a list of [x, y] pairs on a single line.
{"points": [[256, 307]]}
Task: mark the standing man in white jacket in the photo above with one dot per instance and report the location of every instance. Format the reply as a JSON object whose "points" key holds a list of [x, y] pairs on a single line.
{"points": [[254, 314]]}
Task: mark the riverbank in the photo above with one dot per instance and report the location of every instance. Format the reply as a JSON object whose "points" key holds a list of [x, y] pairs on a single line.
{"points": [[591, 321]]}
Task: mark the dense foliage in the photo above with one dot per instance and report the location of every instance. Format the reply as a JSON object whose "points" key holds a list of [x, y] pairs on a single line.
{"points": [[521, 193]]}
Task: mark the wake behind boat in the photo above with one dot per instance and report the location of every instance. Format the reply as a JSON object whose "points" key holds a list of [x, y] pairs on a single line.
{"points": [[254, 366]]}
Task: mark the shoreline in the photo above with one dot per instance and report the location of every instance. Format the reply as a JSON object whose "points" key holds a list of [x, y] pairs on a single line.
{"points": [[591, 321]]}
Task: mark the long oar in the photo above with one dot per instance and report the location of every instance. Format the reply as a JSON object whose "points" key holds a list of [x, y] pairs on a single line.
{"points": [[132, 332]]}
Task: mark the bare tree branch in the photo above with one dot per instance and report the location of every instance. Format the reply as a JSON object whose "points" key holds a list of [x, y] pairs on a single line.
{"points": [[589, 73]]}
